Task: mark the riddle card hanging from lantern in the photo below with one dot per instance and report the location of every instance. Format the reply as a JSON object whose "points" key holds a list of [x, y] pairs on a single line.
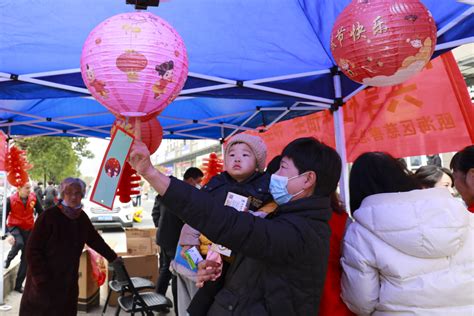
{"points": [[110, 171]]}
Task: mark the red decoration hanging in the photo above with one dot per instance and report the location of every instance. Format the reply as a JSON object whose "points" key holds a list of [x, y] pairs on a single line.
{"points": [[383, 42], [151, 131], [129, 181], [16, 166], [211, 167], [3, 150]]}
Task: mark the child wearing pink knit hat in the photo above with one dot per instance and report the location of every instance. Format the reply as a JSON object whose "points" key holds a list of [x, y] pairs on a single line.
{"points": [[244, 163]]}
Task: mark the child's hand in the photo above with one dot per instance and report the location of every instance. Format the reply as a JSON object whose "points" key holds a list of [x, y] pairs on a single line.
{"points": [[208, 271]]}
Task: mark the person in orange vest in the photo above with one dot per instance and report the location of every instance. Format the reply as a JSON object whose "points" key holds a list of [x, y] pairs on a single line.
{"points": [[21, 207]]}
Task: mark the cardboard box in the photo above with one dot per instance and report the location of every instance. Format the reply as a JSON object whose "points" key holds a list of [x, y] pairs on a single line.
{"points": [[139, 246], [137, 266], [89, 295], [140, 232], [140, 241]]}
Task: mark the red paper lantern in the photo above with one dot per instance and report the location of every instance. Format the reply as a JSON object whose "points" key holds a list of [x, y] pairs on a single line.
{"points": [[151, 131], [383, 42]]}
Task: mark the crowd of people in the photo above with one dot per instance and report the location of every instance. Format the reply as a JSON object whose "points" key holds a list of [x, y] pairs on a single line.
{"points": [[407, 250], [273, 240]]}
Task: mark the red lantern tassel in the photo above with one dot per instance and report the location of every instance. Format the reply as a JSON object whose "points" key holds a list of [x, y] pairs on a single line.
{"points": [[212, 166], [128, 182], [16, 166]]}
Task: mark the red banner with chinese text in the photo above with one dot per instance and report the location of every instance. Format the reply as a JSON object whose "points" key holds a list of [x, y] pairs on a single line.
{"points": [[428, 114]]}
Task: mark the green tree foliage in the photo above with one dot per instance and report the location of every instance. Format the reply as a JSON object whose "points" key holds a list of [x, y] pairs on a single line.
{"points": [[54, 158]]}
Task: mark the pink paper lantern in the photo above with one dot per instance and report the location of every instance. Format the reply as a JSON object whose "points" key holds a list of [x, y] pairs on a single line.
{"points": [[134, 64], [383, 42]]}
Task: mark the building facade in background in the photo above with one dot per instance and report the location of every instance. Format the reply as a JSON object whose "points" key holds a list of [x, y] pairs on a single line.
{"points": [[176, 155]]}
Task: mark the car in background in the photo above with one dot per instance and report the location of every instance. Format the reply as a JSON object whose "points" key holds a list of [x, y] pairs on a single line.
{"points": [[120, 216]]}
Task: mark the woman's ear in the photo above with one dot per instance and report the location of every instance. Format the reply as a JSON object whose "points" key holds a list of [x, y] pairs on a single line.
{"points": [[470, 178]]}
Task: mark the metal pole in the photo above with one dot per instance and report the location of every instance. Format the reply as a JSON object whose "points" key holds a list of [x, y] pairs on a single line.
{"points": [[3, 180], [338, 115]]}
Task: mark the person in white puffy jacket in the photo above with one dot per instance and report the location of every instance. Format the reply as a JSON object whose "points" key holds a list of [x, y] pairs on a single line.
{"points": [[409, 251]]}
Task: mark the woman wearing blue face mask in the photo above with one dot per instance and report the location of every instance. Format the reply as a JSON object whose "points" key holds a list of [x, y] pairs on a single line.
{"points": [[53, 252], [281, 259]]}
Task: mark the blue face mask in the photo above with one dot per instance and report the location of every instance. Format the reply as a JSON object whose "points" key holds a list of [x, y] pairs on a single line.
{"points": [[74, 208], [279, 190]]}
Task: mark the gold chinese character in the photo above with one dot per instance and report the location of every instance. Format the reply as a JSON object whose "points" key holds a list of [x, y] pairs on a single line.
{"points": [[357, 31], [379, 26], [332, 43], [340, 34]]}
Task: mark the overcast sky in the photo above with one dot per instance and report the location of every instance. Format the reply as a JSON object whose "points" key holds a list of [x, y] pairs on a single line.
{"points": [[90, 167]]}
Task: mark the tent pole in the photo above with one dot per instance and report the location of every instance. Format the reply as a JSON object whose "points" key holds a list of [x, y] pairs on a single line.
{"points": [[338, 116], [455, 21], [453, 44], [3, 176]]}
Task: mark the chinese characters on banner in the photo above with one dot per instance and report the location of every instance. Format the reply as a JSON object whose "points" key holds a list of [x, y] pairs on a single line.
{"points": [[430, 113]]}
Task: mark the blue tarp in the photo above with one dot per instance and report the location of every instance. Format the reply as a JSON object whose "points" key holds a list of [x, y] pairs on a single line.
{"points": [[237, 40]]}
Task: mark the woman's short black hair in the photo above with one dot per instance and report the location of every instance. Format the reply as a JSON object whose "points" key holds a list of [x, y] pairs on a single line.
{"points": [[463, 160], [428, 176], [378, 172], [309, 154]]}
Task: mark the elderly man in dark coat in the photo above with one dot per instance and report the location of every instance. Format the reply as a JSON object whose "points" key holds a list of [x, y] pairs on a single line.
{"points": [[53, 253]]}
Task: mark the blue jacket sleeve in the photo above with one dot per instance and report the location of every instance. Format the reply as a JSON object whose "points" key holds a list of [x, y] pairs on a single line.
{"points": [[277, 240]]}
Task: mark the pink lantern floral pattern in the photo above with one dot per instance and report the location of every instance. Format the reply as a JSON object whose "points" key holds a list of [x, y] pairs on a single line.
{"points": [[383, 42], [134, 64]]}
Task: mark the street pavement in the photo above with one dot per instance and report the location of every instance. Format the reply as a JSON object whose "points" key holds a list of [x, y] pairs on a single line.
{"points": [[116, 236]]}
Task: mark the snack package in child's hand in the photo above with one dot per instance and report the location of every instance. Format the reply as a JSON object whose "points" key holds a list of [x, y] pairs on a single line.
{"points": [[193, 257], [181, 261]]}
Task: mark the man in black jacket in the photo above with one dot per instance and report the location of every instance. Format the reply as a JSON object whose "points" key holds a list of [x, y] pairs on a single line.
{"points": [[167, 235]]}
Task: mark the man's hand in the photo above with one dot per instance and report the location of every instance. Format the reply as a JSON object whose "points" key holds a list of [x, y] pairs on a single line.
{"points": [[139, 158], [208, 271]]}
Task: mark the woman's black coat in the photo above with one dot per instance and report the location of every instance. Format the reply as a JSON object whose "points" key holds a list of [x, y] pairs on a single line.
{"points": [[282, 259]]}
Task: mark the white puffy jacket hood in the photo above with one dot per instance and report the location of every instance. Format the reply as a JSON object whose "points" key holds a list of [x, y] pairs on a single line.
{"points": [[420, 223]]}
